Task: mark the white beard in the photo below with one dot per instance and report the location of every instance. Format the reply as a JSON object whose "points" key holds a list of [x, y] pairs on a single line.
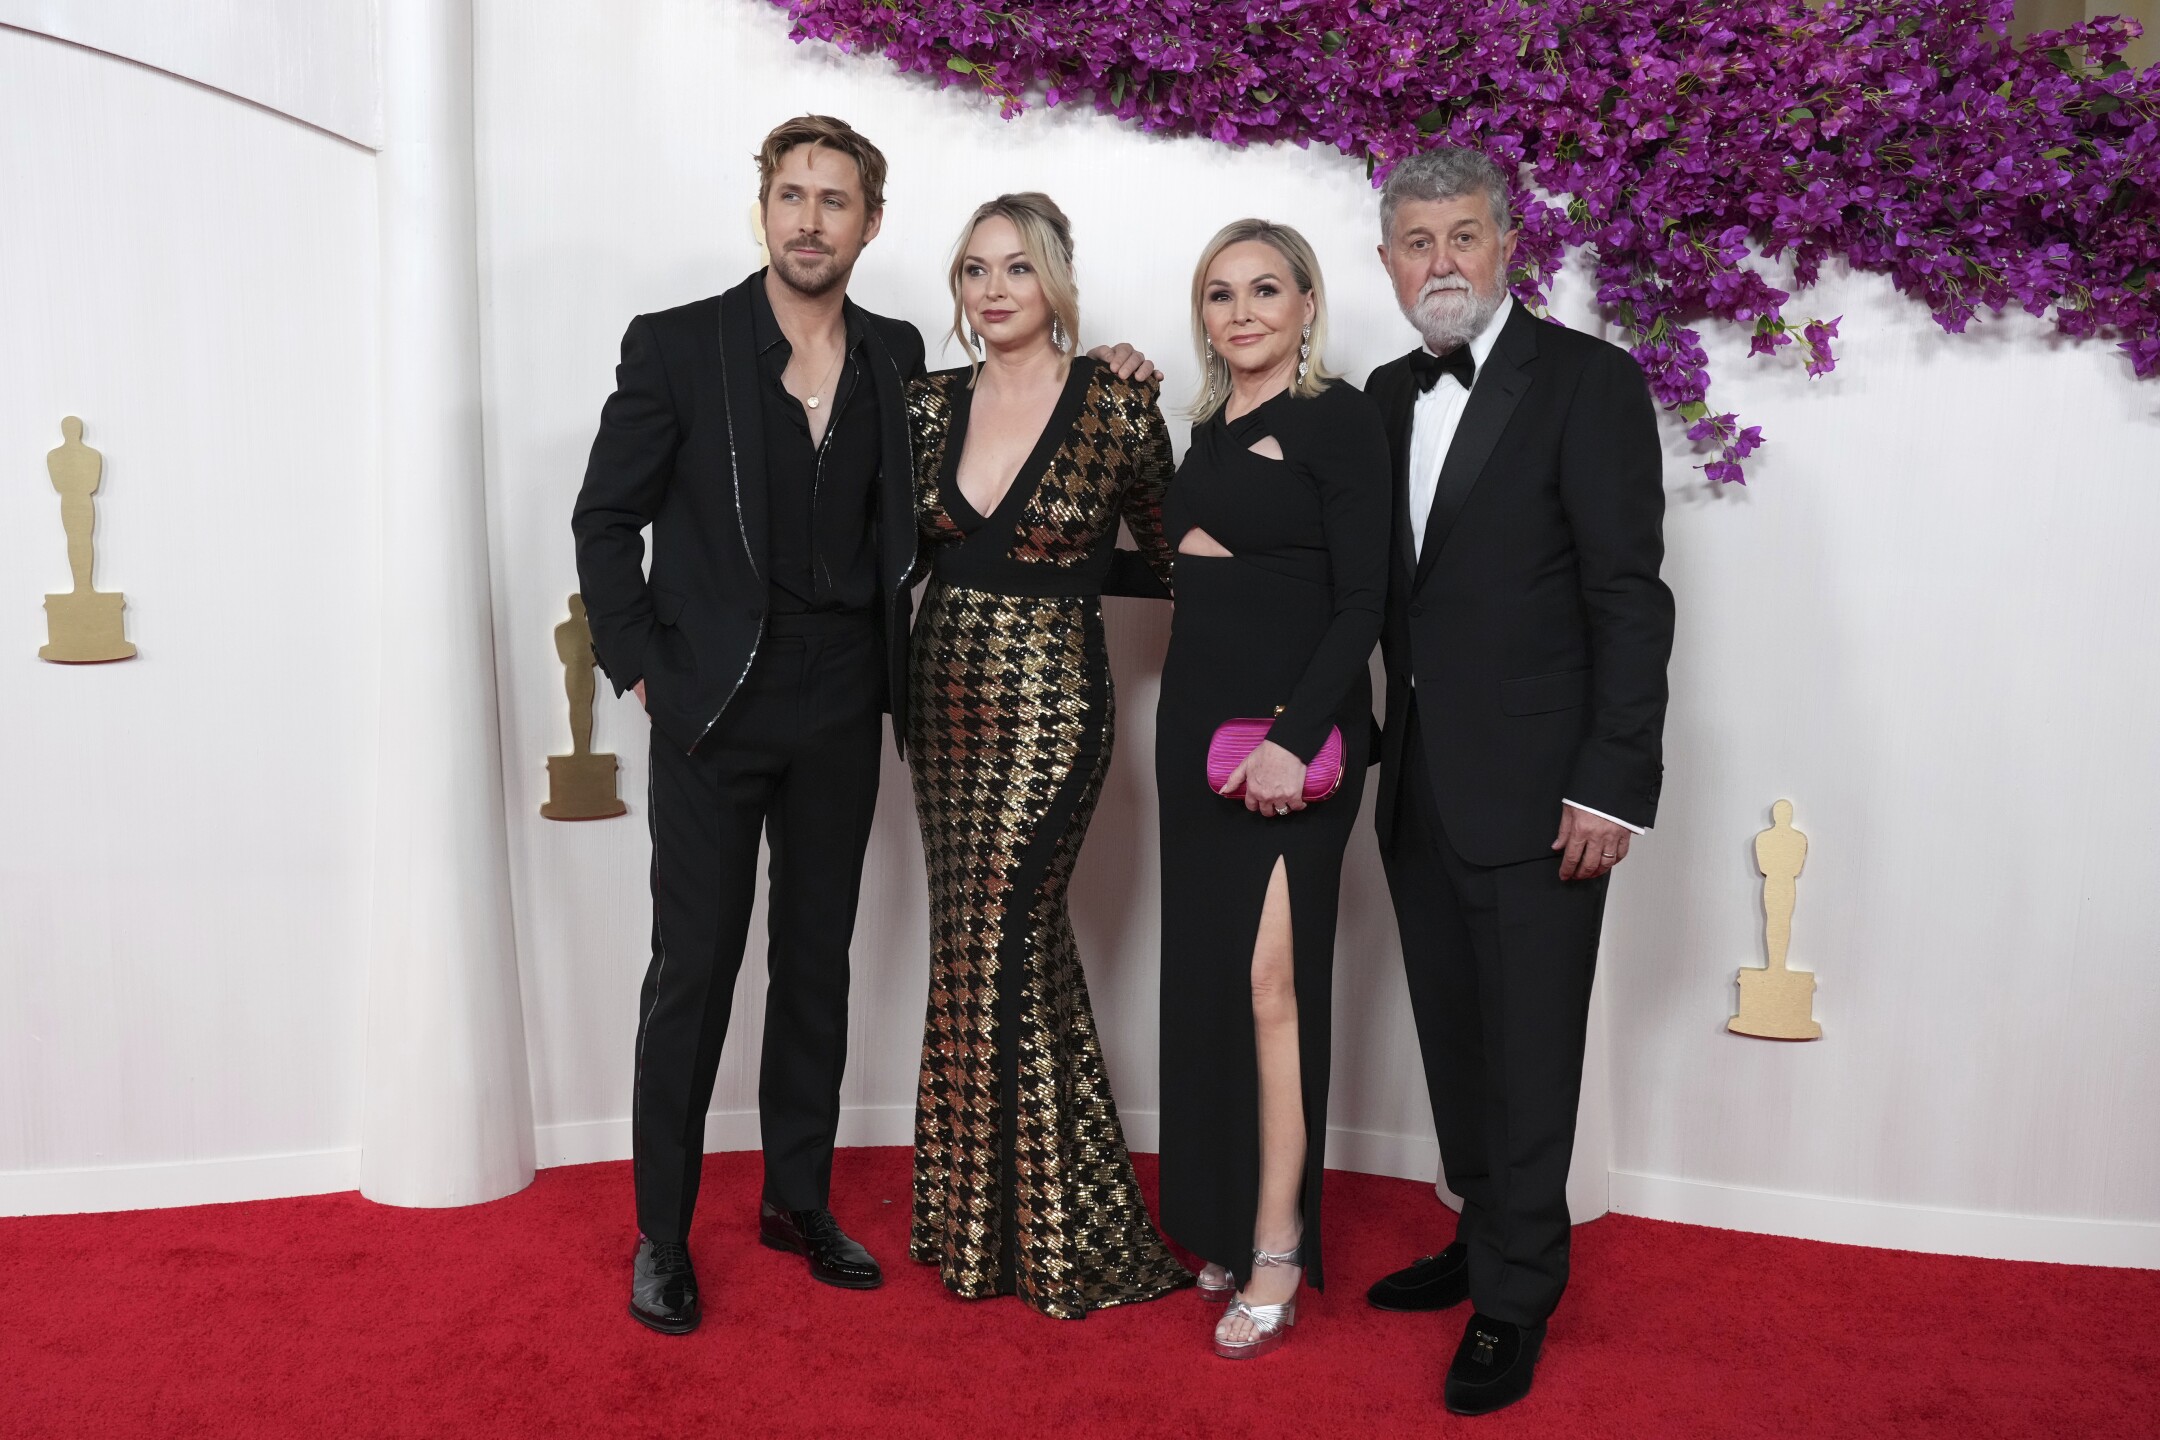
{"points": [[1449, 314]]}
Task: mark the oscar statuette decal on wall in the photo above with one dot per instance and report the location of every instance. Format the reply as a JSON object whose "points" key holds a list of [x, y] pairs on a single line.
{"points": [[83, 626], [1777, 1003], [581, 785]]}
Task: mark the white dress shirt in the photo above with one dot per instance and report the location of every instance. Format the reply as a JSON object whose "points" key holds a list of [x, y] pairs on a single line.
{"points": [[1432, 430], [1432, 427]]}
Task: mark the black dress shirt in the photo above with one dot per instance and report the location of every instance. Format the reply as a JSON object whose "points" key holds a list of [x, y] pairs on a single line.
{"points": [[823, 553]]}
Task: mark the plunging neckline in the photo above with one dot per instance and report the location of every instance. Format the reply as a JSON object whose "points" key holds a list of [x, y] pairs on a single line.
{"points": [[1028, 478]]}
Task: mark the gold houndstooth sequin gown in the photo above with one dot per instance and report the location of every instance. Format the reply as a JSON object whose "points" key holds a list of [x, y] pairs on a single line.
{"points": [[1023, 1184]]}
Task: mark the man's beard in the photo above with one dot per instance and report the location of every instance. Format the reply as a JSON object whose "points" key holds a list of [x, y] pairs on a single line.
{"points": [[814, 278], [1449, 312]]}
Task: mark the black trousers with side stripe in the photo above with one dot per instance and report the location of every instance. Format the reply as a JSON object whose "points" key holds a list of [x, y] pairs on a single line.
{"points": [[794, 759]]}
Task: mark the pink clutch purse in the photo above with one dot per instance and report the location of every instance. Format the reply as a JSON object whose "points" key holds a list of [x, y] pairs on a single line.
{"points": [[1235, 739]]}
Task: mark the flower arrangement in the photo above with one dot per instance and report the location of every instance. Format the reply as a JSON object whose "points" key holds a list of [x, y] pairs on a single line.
{"points": [[1684, 142]]}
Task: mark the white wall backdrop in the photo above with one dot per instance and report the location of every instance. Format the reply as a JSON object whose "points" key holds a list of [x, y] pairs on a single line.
{"points": [[183, 863], [314, 60], [1923, 622], [1927, 622]]}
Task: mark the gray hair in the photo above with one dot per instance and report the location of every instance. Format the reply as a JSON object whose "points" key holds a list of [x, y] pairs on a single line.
{"points": [[1443, 174]]}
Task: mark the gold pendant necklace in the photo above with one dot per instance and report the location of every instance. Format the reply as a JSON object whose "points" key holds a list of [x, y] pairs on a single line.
{"points": [[812, 399]]}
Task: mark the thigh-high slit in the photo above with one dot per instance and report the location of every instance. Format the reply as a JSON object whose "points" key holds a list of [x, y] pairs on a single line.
{"points": [[1237, 623]]}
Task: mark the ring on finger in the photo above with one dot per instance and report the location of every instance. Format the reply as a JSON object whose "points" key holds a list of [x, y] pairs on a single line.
{"points": [[1282, 809]]}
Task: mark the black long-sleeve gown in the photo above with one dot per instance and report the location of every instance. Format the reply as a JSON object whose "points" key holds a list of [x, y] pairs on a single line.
{"points": [[1290, 619], [1022, 1180]]}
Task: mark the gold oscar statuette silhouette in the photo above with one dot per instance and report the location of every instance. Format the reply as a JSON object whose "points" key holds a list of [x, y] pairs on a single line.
{"points": [[581, 785], [84, 626], [1777, 1003]]}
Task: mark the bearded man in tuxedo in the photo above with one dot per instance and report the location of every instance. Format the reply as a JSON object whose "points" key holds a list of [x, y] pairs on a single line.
{"points": [[1526, 641]]}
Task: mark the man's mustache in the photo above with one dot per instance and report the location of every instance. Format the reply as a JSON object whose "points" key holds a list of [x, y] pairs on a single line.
{"points": [[1442, 284], [810, 242]]}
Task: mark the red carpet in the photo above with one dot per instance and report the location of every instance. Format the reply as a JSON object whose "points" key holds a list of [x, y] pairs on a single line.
{"points": [[335, 1317]]}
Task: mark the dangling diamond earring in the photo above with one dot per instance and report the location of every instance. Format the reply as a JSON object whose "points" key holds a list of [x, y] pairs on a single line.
{"points": [[1304, 353], [1057, 332], [975, 340]]}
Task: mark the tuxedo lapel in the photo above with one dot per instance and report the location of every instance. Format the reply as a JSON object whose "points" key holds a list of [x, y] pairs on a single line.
{"points": [[745, 420], [1398, 407], [1500, 386]]}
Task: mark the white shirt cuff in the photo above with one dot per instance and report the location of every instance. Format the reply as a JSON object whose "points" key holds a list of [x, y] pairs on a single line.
{"points": [[1636, 829]]}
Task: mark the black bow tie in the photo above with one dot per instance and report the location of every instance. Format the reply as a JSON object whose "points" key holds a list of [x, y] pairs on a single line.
{"points": [[1428, 367]]}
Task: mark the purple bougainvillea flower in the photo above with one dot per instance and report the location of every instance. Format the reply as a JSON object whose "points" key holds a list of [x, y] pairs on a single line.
{"points": [[1679, 144]]}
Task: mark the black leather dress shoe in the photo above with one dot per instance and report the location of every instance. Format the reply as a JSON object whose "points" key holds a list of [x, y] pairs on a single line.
{"points": [[1432, 1283], [663, 1288], [833, 1257], [1493, 1365]]}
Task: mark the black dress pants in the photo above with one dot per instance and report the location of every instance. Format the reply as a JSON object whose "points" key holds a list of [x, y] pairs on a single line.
{"points": [[1500, 960], [796, 757]]}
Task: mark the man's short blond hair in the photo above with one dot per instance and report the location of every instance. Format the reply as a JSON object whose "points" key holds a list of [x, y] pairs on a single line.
{"points": [[833, 135]]}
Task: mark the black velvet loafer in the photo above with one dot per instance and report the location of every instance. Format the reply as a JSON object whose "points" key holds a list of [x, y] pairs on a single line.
{"points": [[1493, 1365], [663, 1288], [814, 1234], [1434, 1282]]}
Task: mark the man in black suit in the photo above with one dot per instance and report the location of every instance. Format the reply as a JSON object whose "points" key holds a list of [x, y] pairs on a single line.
{"points": [[762, 434], [1526, 640]]}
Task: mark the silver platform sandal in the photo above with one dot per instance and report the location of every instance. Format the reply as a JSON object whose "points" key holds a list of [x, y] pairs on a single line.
{"points": [[1271, 1323]]}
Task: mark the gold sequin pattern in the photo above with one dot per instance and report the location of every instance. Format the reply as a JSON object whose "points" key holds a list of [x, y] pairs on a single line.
{"points": [[1118, 432], [1083, 493], [1010, 728]]}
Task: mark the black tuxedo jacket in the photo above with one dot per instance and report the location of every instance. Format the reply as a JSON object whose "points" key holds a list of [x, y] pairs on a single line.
{"points": [[1533, 621], [681, 447]]}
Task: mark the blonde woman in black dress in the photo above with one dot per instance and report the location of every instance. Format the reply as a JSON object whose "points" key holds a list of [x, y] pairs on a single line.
{"points": [[1281, 516], [1025, 464]]}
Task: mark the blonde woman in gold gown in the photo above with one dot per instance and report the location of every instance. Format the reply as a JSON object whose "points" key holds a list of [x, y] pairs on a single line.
{"points": [[1025, 461]]}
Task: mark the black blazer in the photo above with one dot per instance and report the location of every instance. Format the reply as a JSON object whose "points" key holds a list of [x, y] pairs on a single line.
{"points": [[1534, 621], [681, 448]]}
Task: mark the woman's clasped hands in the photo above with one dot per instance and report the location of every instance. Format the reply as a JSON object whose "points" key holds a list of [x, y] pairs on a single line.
{"points": [[1274, 780]]}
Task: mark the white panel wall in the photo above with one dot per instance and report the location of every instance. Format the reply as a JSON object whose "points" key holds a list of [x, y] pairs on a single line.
{"points": [[183, 857], [314, 60], [1928, 623]]}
